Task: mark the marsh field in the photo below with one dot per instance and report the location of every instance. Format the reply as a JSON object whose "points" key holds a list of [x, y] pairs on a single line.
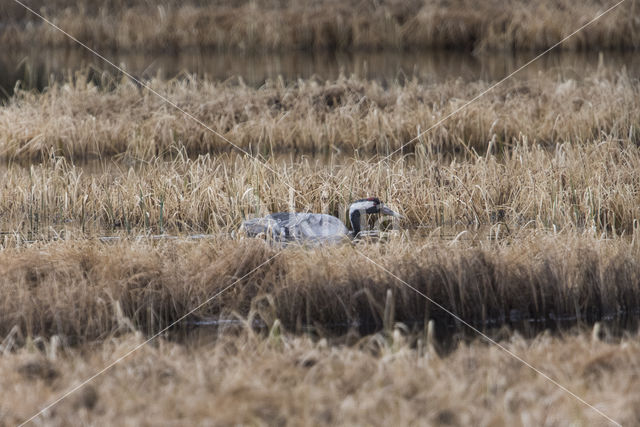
{"points": [[121, 213]]}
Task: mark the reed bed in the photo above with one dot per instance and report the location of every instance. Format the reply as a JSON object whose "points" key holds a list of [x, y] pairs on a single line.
{"points": [[520, 215], [79, 120], [584, 188], [295, 380], [84, 291], [268, 25]]}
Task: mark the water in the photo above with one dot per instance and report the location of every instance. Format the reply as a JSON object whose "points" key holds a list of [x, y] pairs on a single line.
{"points": [[448, 332], [36, 69]]}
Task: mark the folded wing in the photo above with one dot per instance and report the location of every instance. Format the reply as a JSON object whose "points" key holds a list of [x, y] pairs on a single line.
{"points": [[303, 227]]}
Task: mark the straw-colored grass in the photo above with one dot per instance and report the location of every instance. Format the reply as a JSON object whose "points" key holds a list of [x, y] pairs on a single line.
{"points": [[539, 177], [81, 290], [537, 156], [292, 380], [267, 25], [78, 120], [586, 188]]}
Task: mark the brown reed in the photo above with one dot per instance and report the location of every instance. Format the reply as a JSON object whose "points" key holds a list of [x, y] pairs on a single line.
{"points": [[299, 381], [242, 380], [81, 290], [584, 188], [267, 25], [78, 120]]}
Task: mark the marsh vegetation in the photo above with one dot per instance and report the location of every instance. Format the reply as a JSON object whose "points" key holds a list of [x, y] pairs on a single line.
{"points": [[80, 290], [268, 25], [79, 120], [119, 216], [294, 379]]}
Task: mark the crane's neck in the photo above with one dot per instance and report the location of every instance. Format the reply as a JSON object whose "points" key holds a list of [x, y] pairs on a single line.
{"points": [[358, 214], [356, 218]]}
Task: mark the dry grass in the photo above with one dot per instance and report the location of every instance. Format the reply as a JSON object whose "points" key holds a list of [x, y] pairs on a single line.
{"points": [[82, 290], [293, 380], [541, 175], [268, 25], [535, 139], [529, 187], [79, 121]]}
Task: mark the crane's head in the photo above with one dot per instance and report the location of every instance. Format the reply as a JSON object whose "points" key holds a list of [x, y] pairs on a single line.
{"points": [[359, 210]]}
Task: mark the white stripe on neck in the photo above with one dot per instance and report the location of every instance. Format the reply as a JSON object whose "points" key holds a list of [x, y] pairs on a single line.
{"points": [[361, 206]]}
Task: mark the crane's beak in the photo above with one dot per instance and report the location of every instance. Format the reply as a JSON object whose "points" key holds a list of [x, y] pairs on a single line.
{"points": [[386, 211]]}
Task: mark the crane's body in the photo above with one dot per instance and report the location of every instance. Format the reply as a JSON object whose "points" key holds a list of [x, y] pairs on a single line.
{"points": [[314, 227], [310, 227]]}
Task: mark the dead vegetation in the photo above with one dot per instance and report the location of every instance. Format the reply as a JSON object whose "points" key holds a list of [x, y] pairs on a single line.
{"points": [[79, 121], [537, 181], [83, 290], [242, 379], [268, 25], [585, 188], [535, 157]]}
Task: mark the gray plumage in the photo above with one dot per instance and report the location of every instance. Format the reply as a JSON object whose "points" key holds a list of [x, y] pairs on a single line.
{"points": [[312, 227], [308, 227]]}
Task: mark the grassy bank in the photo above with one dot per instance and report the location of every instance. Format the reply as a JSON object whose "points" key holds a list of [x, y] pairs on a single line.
{"points": [[267, 25], [295, 380], [86, 290], [79, 120]]}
